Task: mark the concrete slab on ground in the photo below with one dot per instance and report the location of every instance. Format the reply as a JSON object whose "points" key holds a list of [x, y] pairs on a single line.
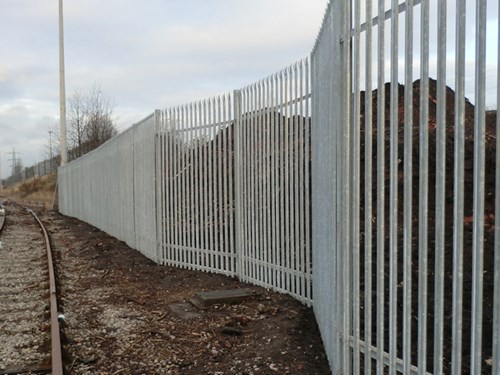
{"points": [[203, 300]]}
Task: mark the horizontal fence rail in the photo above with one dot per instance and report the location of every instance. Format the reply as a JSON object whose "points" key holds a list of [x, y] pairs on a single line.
{"points": [[362, 180]]}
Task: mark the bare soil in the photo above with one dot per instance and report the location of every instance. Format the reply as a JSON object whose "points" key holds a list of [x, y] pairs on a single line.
{"points": [[123, 314]]}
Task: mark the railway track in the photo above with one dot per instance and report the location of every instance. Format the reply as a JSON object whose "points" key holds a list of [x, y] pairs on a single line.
{"points": [[29, 329]]}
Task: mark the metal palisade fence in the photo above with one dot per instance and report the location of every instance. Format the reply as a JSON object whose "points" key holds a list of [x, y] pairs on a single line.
{"points": [[363, 180], [196, 186], [113, 187], [273, 204], [42, 168], [221, 185], [405, 203], [234, 174]]}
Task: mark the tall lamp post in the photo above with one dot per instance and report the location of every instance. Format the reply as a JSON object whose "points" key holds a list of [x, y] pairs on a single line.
{"points": [[62, 88]]}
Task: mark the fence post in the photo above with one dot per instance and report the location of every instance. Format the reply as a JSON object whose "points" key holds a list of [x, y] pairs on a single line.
{"points": [[347, 176], [237, 180], [158, 178]]}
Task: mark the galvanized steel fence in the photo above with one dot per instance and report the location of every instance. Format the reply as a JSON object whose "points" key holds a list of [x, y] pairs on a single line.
{"points": [[196, 186], [42, 168], [388, 192], [226, 187], [273, 153], [113, 187], [233, 184], [406, 238]]}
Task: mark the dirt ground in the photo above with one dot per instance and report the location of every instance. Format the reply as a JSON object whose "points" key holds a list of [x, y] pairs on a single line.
{"points": [[123, 314]]}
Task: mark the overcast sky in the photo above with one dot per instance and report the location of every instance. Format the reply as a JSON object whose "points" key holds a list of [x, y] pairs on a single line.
{"points": [[154, 54], [144, 55]]}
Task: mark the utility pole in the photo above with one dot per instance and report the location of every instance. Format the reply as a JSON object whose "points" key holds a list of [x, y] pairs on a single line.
{"points": [[50, 149], [62, 88], [15, 160]]}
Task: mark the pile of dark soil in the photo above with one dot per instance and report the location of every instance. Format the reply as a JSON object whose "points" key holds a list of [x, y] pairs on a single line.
{"points": [[489, 219]]}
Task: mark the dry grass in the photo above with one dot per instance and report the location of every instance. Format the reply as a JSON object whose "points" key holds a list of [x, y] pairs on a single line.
{"points": [[39, 191]]}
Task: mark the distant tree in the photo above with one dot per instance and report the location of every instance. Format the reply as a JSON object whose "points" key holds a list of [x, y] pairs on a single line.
{"points": [[90, 120], [99, 126], [77, 116]]}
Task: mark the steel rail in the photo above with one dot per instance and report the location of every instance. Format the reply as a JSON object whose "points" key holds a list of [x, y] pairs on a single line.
{"points": [[2, 219], [56, 352]]}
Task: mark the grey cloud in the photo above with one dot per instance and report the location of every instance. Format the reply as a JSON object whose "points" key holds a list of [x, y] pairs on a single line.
{"points": [[148, 56]]}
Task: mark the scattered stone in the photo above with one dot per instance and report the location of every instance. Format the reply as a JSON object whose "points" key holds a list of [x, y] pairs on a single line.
{"points": [[88, 361], [184, 310], [273, 310]]}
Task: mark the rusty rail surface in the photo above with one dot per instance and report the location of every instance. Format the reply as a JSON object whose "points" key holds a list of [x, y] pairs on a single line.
{"points": [[2, 222]]}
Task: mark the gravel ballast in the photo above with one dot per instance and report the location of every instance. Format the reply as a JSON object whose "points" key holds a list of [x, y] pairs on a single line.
{"points": [[24, 304]]}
